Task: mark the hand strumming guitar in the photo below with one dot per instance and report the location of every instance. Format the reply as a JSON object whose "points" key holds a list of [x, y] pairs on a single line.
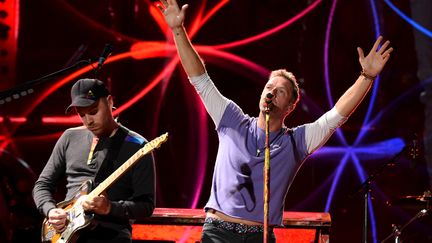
{"points": [[57, 218]]}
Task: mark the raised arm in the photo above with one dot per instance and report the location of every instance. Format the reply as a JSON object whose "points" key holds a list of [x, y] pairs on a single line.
{"points": [[371, 65], [213, 100], [174, 16], [318, 132]]}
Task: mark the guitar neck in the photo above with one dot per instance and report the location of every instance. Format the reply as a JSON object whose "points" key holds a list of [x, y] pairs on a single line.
{"points": [[117, 173], [150, 146]]}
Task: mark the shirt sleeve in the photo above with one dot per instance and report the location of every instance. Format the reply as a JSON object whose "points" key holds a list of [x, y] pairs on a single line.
{"points": [[45, 185], [318, 132], [213, 100]]}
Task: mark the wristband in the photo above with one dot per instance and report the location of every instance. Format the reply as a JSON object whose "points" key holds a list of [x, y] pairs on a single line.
{"points": [[362, 73]]}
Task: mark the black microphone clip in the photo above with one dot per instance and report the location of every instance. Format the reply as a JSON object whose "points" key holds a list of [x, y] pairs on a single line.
{"points": [[269, 98], [268, 102], [105, 53]]}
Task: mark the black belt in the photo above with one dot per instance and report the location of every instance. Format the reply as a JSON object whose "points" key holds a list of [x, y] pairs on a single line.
{"points": [[235, 227]]}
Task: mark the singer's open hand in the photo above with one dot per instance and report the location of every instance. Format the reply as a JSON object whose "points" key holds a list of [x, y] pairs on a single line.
{"points": [[174, 16], [374, 62]]}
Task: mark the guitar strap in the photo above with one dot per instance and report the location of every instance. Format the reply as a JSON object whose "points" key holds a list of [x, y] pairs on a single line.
{"points": [[114, 145]]}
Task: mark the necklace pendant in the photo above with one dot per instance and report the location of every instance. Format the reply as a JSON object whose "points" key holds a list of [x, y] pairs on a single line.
{"points": [[258, 152]]}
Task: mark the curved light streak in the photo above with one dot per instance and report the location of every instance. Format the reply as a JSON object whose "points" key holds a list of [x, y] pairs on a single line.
{"points": [[97, 26], [196, 24], [5, 143], [199, 113], [326, 65], [410, 21], [379, 150], [158, 18], [338, 173], [22, 162], [271, 31], [44, 137], [326, 54], [391, 106], [212, 12], [377, 80], [312, 197]]}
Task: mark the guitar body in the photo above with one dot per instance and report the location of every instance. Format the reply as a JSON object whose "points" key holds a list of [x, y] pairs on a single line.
{"points": [[77, 219]]}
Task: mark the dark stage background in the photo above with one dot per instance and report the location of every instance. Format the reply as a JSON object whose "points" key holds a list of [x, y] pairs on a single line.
{"points": [[153, 96]]}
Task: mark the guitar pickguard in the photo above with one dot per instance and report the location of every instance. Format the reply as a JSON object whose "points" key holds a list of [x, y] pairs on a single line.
{"points": [[77, 218]]}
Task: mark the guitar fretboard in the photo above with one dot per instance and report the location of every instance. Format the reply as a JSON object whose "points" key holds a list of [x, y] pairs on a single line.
{"points": [[150, 146]]}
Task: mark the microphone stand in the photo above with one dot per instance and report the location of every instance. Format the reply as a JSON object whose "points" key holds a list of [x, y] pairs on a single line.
{"points": [[27, 87], [366, 188], [266, 173]]}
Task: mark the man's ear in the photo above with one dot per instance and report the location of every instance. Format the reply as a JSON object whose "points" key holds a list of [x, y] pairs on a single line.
{"points": [[110, 101]]}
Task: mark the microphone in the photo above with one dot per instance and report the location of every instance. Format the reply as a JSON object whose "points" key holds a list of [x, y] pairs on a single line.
{"points": [[268, 102], [105, 53], [269, 98]]}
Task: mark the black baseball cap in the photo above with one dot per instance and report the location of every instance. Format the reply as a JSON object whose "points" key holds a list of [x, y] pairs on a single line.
{"points": [[85, 92]]}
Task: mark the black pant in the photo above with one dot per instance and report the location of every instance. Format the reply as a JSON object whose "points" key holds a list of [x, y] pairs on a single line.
{"points": [[213, 234]]}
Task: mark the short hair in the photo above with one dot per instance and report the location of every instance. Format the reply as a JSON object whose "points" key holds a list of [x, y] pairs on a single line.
{"points": [[290, 77]]}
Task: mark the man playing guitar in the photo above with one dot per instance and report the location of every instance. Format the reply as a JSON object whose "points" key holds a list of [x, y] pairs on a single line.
{"points": [[92, 153]]}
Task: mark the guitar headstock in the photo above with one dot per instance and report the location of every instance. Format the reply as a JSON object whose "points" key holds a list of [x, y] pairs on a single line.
{"points": [[156, 143]]}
